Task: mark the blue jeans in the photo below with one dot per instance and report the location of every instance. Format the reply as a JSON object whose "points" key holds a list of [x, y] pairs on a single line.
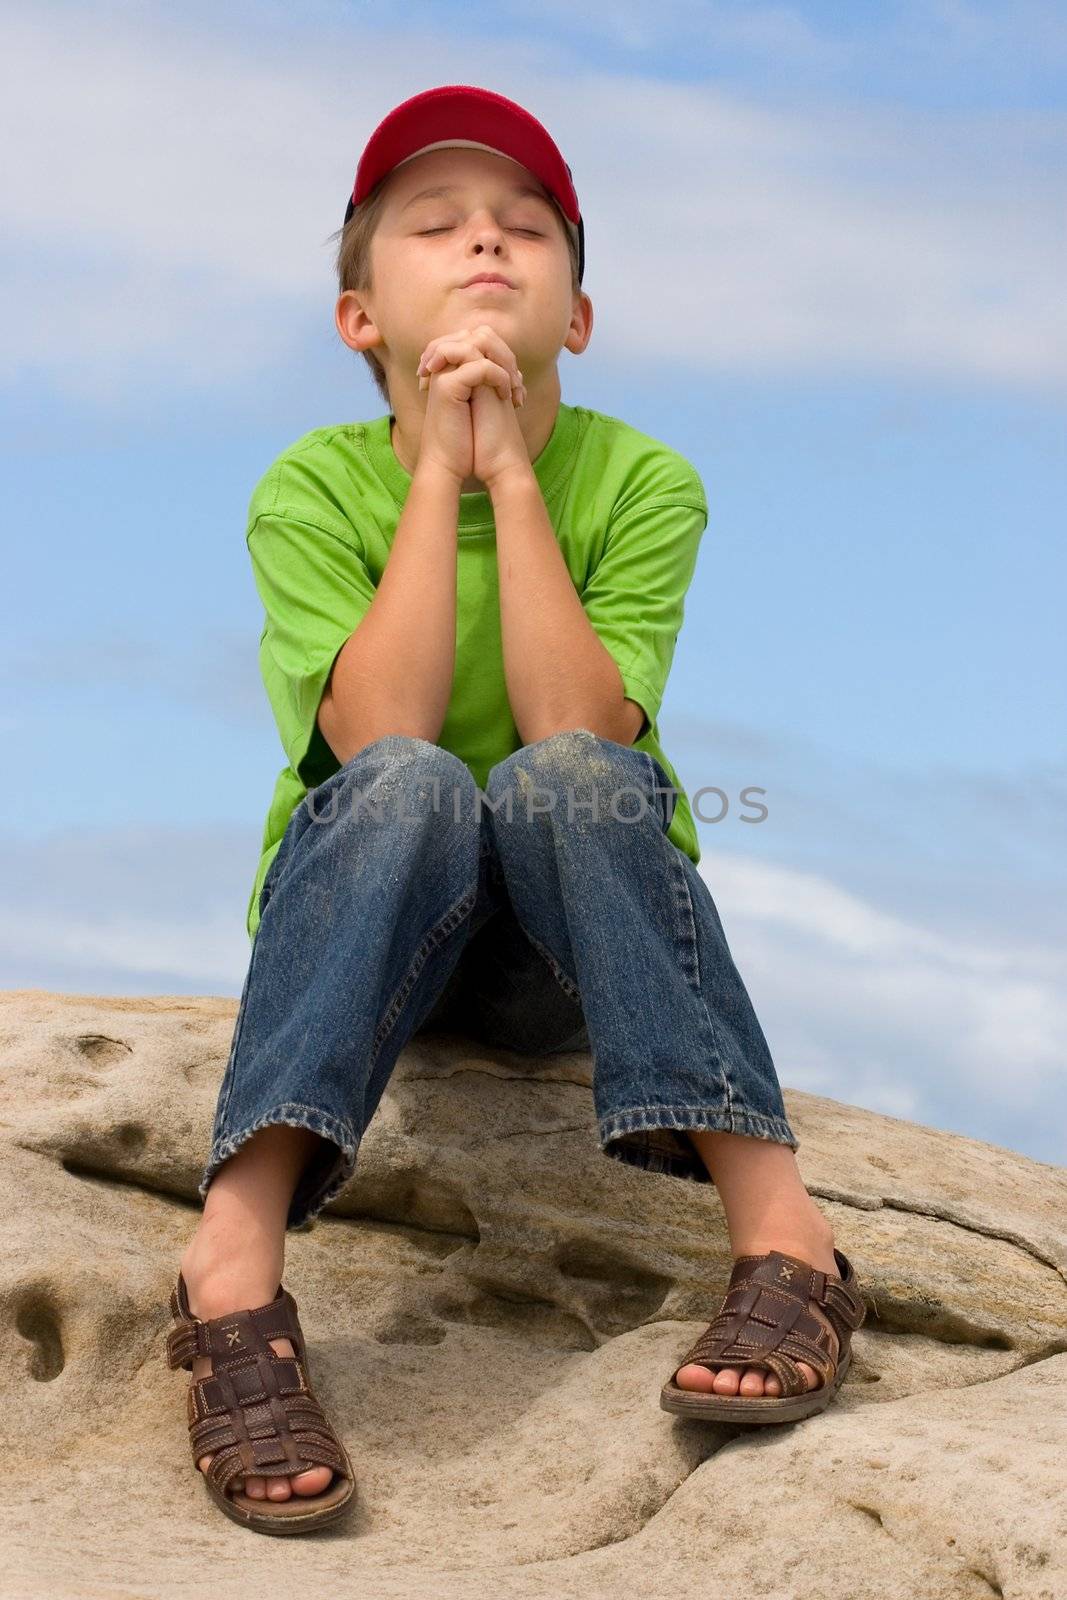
{"points": [[548, 912]]}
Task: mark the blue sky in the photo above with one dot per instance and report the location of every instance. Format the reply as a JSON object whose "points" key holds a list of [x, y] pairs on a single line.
{"points": [[825, 250]]}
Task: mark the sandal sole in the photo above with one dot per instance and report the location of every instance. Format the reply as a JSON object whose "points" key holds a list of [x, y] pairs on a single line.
{"points": [[754, 1410]]}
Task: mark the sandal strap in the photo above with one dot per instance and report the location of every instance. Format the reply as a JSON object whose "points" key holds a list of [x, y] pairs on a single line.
{"points": [[262, 1419], [776, 1362], [840, 1298], [229, 1339], [765, 1319]]}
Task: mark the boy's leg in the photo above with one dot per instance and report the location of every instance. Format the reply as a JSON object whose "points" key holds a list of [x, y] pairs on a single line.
{"points": [[236, 1260], [363, 916], [767, 1208], [625, 919]]}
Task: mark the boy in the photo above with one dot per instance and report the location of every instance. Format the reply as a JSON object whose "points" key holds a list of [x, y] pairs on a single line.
{"points": [[479, 593]]}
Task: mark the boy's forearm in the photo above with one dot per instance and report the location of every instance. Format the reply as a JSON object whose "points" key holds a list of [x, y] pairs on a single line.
{"points": [[558, 673], [394, 674]]}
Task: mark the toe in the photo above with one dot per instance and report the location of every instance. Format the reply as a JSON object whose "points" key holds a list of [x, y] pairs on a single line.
{"points": [[695, 1377], [314, 1481]]}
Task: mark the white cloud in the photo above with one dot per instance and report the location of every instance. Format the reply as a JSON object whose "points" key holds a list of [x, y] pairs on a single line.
{"points": [[128, 954], [879, 1010], [132, 908], [167, 220]]}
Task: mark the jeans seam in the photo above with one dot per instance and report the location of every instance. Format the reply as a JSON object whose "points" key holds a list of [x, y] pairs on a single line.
{"points": [[712, 1029], [567, 984], [451, 920], [652, 786], [237, 1031]]}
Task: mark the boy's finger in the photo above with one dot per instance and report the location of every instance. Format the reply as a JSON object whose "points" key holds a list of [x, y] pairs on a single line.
{"points": [[453, 349], [458, 363]]}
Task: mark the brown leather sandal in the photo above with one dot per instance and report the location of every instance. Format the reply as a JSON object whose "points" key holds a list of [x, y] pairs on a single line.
{"points": [[766, 1320], [255, 1413]]}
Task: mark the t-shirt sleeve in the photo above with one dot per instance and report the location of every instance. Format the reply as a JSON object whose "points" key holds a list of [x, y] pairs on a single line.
{"points": [[635, 597], [316, 589]]}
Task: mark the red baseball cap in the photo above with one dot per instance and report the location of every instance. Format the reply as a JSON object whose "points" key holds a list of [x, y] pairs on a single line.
{"points": [[460, 114]]}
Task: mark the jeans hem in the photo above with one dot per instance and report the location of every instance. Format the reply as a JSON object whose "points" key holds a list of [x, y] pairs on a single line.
{"points": [[650, 1137], [303, 1208]]}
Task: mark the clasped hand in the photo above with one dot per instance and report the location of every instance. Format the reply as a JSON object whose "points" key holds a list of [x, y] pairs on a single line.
{"points": [[475, 369]]}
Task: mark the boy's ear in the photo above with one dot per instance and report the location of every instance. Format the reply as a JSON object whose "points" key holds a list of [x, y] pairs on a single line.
{"points": [[581, 327], [354, 322]]}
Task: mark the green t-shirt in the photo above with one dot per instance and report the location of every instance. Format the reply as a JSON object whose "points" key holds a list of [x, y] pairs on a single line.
{"points": [[628, 513]]}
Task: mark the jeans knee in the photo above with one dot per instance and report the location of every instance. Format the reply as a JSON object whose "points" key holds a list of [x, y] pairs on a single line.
{"points": [[390, 775], [570, 767], [406, 751]]}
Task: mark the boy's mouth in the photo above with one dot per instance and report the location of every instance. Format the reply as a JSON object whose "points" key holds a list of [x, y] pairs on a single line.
{"points": [[487, 278]]}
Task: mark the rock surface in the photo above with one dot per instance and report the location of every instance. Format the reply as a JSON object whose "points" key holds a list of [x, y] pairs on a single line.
{"points": [[491, 1306]]}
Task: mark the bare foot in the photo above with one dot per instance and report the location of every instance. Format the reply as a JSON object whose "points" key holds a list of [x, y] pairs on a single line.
{"points": [[215, 1294], [751, 1380]]}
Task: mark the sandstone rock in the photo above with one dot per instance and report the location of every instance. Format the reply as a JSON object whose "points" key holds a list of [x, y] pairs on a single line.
{"points": [[492, 1306]]}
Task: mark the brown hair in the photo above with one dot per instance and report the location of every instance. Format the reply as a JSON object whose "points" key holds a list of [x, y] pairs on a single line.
{"points": [[353, 264]]}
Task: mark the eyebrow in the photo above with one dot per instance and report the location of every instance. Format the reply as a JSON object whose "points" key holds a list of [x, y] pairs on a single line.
{"points": [[451, 188]]}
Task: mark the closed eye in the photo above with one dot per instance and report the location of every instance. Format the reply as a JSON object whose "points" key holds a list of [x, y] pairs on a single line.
{"points": [[425, 233]]}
